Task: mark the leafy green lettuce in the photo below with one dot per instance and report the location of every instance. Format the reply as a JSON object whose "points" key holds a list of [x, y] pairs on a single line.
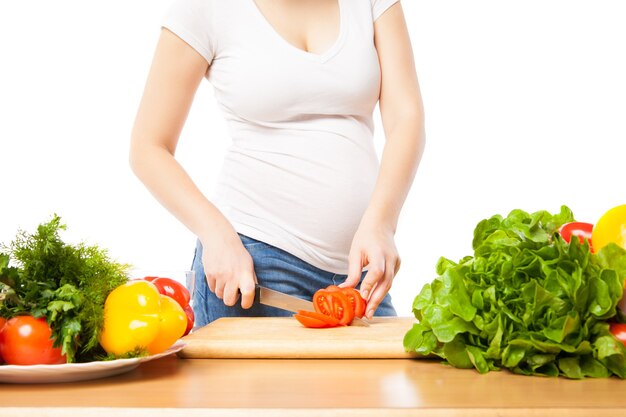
{"points": [[527, 301]]}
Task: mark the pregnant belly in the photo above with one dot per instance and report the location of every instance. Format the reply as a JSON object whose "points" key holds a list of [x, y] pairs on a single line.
{"points": [[317, 200]]}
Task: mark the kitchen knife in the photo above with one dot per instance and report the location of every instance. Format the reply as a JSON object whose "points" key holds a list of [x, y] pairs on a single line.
{"points": [[288, 302]]}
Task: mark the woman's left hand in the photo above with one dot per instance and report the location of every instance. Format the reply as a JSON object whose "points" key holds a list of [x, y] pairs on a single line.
{"points": [[373, 246]]}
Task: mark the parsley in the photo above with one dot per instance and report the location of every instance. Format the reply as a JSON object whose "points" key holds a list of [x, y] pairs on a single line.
{"points": [[67, 284]]}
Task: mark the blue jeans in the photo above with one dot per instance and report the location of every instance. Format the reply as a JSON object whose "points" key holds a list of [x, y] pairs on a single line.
{"points": [[275, 269]]}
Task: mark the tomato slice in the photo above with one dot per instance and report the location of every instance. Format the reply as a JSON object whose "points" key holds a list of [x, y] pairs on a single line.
{"points": [[334, 304], [358, 303], [580, 229], [619, 331], [315, 320]]}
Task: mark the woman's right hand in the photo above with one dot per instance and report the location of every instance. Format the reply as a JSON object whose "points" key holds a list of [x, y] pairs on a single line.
{"points": [[228, 268]]}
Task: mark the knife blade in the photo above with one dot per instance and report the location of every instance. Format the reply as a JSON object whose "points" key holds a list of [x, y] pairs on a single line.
{"points": [[288, 302]]}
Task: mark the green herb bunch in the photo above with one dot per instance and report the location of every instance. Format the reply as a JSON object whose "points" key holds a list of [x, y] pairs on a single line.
{"points": [[42, 276], [527, 301]]}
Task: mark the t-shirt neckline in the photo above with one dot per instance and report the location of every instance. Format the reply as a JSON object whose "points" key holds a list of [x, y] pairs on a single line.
{"points": [[319, 57]]}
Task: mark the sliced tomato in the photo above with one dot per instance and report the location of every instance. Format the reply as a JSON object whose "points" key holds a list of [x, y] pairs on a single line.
{"points": [[579, 229], [315, 320], [619, 331], [358, 303], [334, 304]]}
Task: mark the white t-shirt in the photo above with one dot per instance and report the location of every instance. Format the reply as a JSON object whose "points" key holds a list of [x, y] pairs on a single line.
{"points": [[301, 168]]}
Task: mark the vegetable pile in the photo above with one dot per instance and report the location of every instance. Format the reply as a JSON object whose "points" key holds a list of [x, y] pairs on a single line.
{"points": [[527, 300], [70, 303], [65, 284]]}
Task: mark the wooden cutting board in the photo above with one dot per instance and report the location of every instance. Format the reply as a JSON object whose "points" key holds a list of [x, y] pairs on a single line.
{"points": [[285, 337]]}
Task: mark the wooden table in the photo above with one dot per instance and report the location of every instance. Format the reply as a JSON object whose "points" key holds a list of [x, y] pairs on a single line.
{"points": [[310, 387]]}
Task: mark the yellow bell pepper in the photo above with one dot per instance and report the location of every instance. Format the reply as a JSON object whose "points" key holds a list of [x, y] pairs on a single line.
{"points": [[137, 316], [610, 228]]}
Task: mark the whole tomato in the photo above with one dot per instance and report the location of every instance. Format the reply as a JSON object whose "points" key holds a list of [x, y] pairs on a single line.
{"points": [[2, 322], [25, 340], [579, 229], [619, 331], [191, 318], [174, 289]]}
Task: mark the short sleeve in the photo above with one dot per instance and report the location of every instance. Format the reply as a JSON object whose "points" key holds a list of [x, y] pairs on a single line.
{"points": [[380, 6], [191, 20]]}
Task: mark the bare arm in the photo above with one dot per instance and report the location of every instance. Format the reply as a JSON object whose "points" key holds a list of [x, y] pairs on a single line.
{"points": [[176, 72], [402, 114]]}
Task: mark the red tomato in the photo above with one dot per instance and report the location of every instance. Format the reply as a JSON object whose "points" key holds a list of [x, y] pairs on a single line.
{"points": [[25, 340], [190, 319], [580, 229], [334, 304], [173, 289], [358, 303], [315, 320], [2, 322], [619, 331]]}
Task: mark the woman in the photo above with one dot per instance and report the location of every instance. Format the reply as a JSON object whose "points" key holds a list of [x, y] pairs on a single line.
{"points": [[301, 201]]}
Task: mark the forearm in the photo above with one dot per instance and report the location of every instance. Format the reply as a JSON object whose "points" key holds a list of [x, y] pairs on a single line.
{"points": [[170, 184], [400, 159]]}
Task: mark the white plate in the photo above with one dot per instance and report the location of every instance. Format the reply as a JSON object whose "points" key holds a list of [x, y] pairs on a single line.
{"points": [[70, 372]]}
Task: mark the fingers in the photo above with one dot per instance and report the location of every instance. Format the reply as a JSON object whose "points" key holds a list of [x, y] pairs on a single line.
{"points": [[231, 293], [247, 292], [210, 282], [382, 288], [355, 269], [228, 286], [375, 273]]}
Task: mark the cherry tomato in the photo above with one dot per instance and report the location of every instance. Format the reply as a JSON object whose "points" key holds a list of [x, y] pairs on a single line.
{"points": [[580, 229], [334, 304], [619, 331], [173, 289], [611, 228], [191, 318], [25, 340], [316, 320]]}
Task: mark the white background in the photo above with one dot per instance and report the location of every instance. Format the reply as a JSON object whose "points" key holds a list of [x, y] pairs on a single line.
{"points": [[525, 104]]}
